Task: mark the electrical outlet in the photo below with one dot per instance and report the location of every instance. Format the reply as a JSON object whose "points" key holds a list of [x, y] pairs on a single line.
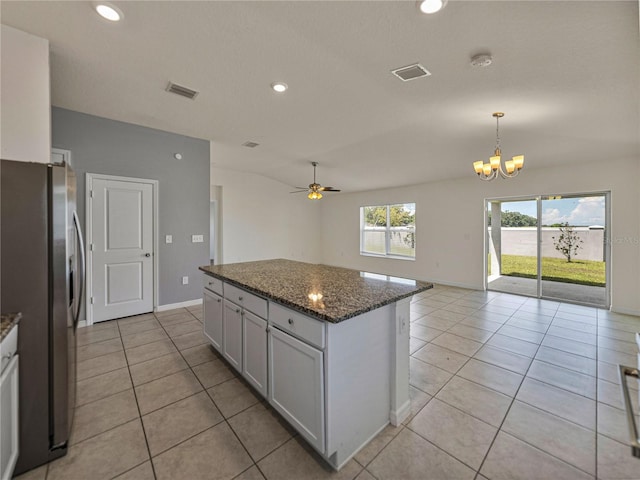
{"points": [[197, 238], [168, 239], [185, 280]]}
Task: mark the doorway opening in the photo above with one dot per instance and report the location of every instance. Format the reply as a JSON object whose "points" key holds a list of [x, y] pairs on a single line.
{"points": [[552, 246]]}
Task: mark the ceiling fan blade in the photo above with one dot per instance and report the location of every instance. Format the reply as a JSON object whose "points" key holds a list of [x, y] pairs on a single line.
{"points": [[302, 188], [330, 189], [299, 191]]}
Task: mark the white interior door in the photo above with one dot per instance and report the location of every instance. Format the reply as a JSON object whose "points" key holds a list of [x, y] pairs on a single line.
{"points": [[121, 248]]}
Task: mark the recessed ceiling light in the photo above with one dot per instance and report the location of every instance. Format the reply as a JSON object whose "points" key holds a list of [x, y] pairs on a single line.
{"points": [[431, 6], [108, 11], [279, 87]]}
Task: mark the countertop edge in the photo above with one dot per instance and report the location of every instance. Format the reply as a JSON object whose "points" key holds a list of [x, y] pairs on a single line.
{"points": [[309, 312]]}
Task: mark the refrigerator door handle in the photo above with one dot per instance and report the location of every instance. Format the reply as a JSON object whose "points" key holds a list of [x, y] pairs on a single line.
{"points": [[83, 269], [625, 372]]}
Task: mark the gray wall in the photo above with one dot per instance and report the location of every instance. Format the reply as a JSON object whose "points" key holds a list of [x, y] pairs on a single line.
{"points": [[99, 145]]}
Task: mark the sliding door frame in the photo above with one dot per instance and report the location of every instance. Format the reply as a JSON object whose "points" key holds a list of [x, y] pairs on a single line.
{"points": [[539, 199]]}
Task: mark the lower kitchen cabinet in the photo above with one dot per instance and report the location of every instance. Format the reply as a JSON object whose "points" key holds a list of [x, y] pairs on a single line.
{"points": [[213, 311], [9, 418], [232, 334], [254, 351], [296, 385]]}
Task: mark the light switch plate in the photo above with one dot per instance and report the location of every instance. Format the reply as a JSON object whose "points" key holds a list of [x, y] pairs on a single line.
{"points": [[185, 280], [197, 238], [168, 239]]}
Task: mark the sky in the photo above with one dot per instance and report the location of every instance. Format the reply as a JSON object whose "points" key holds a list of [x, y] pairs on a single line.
{"points": [[577, 211]]}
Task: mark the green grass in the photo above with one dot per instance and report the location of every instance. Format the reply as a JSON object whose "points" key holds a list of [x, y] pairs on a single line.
{"points": [[582, 272]]}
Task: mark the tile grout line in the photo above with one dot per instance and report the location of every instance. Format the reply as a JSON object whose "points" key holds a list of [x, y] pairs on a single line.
{"points": [[509, 409], [597, 390], [224, 419], [477, 471], [135, 395]]}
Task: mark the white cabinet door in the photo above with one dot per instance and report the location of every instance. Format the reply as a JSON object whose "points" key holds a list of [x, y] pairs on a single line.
{"points": [[9, 419], [296, 385], [212, 308], [25, 117], [254, 367], [232, 334]]}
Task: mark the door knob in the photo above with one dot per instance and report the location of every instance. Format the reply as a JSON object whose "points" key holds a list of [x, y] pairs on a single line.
{"points": [[147, 254]]}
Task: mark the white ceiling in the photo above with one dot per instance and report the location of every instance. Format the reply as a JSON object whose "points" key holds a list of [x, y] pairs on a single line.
{"points": [[565, 73]]}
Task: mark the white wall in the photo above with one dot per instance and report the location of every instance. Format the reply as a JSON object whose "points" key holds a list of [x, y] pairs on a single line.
{"points": [[261, 220], [450, 224]]}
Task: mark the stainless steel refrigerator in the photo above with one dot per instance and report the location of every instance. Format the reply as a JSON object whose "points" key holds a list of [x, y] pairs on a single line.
{"points": [[42, 274]]}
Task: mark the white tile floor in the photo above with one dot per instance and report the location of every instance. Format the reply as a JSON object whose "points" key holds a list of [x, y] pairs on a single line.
{"points": [[502, 387]]}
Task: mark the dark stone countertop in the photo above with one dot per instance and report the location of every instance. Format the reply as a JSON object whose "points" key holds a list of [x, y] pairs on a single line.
{"points": [[7, 322], [326, 293]]}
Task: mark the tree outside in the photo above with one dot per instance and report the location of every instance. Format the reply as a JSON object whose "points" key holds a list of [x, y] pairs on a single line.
{"points": [[568, 242]]}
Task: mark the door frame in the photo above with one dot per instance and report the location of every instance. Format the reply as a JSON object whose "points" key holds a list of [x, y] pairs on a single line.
{"points": [[89, 234], [538, 199]]}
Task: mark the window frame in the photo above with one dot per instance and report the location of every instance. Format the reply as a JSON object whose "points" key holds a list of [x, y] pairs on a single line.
{"points": [[388, 229]]}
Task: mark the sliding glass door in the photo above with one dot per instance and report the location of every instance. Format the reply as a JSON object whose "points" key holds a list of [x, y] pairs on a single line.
{"points": [[553, 246]]}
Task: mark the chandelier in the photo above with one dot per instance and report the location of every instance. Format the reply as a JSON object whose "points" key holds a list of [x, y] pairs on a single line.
{"points": [[489, 171]]}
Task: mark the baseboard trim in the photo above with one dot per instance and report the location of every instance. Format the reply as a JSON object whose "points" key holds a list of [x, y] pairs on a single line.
{"points": [[398, 416], [626, 311], [171, 306], [468, 286], [82, 323]]}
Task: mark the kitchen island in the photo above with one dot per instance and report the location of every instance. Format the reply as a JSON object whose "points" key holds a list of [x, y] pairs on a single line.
{"points": [[327, 346]]}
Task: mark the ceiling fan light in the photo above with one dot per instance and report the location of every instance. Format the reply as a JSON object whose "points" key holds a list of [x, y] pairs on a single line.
{"points": [[431, 6], [314, 195]]}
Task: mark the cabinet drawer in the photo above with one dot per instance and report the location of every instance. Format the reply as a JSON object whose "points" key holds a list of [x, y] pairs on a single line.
{"points": [[212, 283], [247, 300], [8, 347], [297, 324]]}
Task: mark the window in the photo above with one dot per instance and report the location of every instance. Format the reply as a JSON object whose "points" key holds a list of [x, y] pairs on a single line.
{"points": [[388, 230]]}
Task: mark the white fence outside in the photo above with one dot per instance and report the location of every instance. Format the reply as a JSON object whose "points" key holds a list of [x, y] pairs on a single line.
{"points": [[522, 241]]}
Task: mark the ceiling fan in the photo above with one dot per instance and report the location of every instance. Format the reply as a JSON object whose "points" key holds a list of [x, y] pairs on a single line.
{"points": [[315, 189]]}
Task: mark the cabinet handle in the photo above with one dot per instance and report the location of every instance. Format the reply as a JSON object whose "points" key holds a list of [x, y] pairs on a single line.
{"points": [[237, 310], [218, 300], [291, 321], [239, 299], [210, 283]]}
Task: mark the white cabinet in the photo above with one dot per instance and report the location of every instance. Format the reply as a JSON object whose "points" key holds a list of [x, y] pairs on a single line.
{"points": [[9, 418], [296, 385], [254, 351], [232, 334], [26, 105], [212, 324]]}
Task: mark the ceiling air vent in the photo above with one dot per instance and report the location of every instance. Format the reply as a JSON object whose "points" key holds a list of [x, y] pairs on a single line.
{"points": [[182, 91], [411, 72], [250, 144]]}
